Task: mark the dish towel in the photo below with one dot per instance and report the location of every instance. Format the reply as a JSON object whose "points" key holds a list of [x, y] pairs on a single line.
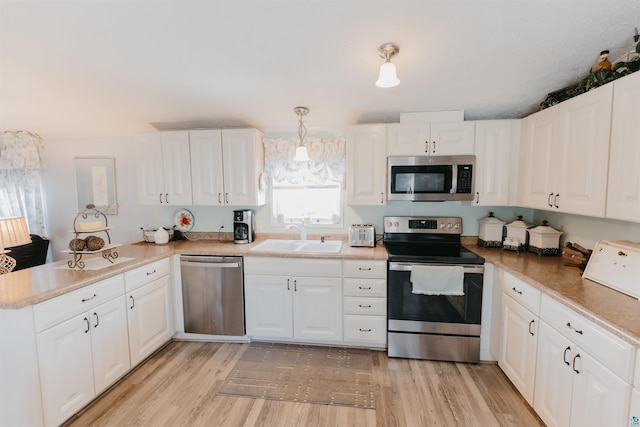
{"points": [[437, 280]]}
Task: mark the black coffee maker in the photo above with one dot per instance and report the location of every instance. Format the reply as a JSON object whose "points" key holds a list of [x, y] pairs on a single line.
{"points": [[243, 226]]}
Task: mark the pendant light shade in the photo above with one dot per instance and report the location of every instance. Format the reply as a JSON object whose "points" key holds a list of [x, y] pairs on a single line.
{"points": [[388, 76], [301, 151]]}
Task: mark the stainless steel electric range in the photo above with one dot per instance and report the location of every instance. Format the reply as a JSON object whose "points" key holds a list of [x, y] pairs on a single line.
{"points": [[438, 319]]}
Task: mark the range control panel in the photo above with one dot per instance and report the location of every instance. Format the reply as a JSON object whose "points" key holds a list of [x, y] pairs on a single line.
{"points": [[423, 224]]}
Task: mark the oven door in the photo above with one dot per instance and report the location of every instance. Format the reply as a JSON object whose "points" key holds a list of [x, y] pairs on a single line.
{"points": [[407, 307]]}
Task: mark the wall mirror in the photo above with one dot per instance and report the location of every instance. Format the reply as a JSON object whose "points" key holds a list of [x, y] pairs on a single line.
{"points": [[96, 184]]}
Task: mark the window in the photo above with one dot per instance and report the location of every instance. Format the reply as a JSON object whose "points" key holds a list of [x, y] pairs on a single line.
{"points": [[309, 191]]}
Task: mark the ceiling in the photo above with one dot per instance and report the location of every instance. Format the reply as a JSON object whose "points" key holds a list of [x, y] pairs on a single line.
{"points": [[111, 67]]}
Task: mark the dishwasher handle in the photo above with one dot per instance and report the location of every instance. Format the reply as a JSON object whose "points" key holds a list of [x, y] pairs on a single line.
{"points": [[211, 264]]}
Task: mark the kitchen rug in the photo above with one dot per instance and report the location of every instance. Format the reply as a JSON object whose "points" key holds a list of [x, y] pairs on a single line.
{"points": [[301, 373]]}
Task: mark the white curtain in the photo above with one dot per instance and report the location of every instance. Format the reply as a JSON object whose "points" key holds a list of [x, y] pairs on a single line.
{"points": [[21, 160], [326, 160]]}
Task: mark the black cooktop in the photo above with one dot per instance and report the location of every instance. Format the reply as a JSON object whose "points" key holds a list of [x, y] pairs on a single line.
{"points": [[453, 254]]}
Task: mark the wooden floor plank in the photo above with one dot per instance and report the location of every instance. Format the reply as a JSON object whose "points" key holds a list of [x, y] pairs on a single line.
{"points": [[178, 387]]}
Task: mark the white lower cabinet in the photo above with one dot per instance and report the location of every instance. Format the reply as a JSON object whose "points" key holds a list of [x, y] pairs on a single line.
{"points": [[365, 302], [300, 299], [149, 309], [82, 346], [583, 373]]}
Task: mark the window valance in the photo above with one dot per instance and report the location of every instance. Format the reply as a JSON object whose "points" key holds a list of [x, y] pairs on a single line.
{"points": [[21, 150]]}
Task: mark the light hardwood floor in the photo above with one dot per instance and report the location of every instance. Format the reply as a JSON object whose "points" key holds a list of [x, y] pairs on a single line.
{"points": [[178, 385]]}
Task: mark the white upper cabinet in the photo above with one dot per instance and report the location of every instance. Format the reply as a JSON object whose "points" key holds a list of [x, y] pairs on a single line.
{"points": [[164, 168], [564, 156], [442, 139], [366, 173], [496, 144], [227, 167], [623, 197]]}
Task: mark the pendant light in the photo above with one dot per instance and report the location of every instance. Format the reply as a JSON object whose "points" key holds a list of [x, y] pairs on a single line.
{"points": [[301, 151], [387, 76]]}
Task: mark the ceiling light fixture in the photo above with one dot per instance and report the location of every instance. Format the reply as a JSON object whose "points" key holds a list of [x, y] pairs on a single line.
{"points": [[387, 76], [301, 151]]}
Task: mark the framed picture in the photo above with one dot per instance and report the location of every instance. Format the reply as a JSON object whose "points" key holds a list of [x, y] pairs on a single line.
{"points": [[96, 184]]}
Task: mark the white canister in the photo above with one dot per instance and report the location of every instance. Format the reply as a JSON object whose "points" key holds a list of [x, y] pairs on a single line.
{"points": [[544, 240], [490, 234], [161, 236], [516, 238]]}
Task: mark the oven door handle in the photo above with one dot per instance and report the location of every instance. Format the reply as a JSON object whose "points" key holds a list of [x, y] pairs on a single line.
{"points": [[404, 266]]}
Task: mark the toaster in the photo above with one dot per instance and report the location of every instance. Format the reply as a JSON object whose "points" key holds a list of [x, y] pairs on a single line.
{"points": [[362, 235]]}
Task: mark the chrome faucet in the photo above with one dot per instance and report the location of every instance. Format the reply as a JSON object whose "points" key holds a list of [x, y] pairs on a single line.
{"points": [[302, 229]]}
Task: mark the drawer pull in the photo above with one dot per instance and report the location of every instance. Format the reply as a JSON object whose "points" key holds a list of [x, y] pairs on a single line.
{"points": [[364, 306], [97, 320], [516, 291], [149, 273], [364, 288], [533, 322], [89, 299], [88, 325], [577, 331], [364, 268], [620, 253], [365, 330], [564, 356]]}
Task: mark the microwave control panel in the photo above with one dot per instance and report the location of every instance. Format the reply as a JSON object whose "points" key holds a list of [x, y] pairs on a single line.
{"points": [[465, 175]]}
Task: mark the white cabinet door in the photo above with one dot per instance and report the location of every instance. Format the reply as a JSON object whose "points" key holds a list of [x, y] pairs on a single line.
{"points": [[366, 165], [435, 139], [109, 343], [450, 139], [206, 167], [66, 371], [493, 143], [585, 123], [538, 159], [149, 317], [243, 160], [150, 169], [600, 398], [554, 377], [176, 162], [408, 139], [519, 346], [623, 196], [317, 308], [268, 306]]}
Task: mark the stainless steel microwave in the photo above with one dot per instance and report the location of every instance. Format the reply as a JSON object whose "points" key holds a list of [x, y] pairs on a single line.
{"points": [[431, 178]]}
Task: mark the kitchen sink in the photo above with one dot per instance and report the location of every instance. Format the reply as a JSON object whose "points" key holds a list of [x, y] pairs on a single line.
{"points": [[299, 246]]}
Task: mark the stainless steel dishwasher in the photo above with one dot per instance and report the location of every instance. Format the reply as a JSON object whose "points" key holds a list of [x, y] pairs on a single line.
{"points": [[212, 294]]}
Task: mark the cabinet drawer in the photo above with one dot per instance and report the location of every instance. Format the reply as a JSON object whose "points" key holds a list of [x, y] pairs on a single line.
{"points": [[522, 292], [293, 267], [608, 349], [51, 312], [371, 306], [365, 287], [133, 279], [365, 329], [365, 268]]}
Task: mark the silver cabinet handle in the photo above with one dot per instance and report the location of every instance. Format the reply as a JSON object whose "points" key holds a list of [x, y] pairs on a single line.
{"points": [[89, 299], [434, 147], [295, 285], [166, 198], [555, 200], [133, 302], [477, 197], [149, 273], [364, 268], [533, 322], [382, 198], [426, 146], [220, 198], [364, 306], [364, 288], [226, 198], [365, 330], [160, 196], [97, 319], [88, 325], [516, 291], [549, 200], [288, 287]]}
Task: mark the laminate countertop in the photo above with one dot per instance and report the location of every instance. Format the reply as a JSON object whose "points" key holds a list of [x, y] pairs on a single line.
{"points": [[614, 311], [33, 285]]}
